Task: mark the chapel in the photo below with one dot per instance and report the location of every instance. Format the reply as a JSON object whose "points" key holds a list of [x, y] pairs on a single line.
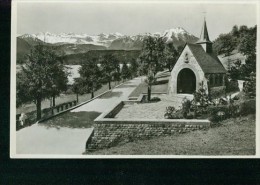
{"points": [[197, 65]]}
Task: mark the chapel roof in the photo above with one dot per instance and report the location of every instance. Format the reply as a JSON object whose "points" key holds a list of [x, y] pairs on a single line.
{"points": [[207, 61]]}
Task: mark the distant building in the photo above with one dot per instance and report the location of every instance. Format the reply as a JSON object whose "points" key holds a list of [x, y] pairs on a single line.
{"points": [[195, 66]]}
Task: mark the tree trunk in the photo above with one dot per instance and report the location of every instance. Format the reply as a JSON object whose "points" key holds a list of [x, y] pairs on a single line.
{"points": [[169, 67], [149, 93], [109, 85], [77, 96], [53, 101], [39, 108], [92, 94]]}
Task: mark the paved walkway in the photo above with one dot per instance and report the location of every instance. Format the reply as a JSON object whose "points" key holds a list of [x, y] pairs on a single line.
{"points": [[41, 139], [118, 94]]}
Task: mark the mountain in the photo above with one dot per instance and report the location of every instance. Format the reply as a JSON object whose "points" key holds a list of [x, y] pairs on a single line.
{"points": [[72, 38], [177, 36], [24, 45], [121, 55], [31, 39], [73, 44]]}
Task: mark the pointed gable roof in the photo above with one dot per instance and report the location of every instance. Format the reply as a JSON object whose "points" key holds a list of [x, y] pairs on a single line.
{"points": [[204, 36], [208, 62]]}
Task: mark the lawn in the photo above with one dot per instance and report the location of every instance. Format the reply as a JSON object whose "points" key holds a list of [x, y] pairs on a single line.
{"points": [[235, 136], [72, 120]]}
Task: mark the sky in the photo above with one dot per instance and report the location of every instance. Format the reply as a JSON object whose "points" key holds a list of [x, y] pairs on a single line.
{"points": [[131, 18]]}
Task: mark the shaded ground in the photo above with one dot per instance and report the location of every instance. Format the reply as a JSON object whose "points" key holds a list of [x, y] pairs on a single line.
{"points": [[234, 136], [72, 120]]}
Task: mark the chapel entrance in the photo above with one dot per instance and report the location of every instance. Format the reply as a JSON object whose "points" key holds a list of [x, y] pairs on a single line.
{"points": [[186, 81]]}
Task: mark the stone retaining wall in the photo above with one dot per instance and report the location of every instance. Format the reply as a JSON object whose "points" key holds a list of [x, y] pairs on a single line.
{"points": [[110, 132]]}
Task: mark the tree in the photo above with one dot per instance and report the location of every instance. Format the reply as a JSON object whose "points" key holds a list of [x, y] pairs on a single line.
{"points": [[40, 73], [235, 31], [90, 77], [170, 56], [248, 42], [133, 68], [125, 73], [152, 55], [152, 60], [235, 71], [150, 80], [58, 78], [110, 68], [76, 88], [225, 44]]}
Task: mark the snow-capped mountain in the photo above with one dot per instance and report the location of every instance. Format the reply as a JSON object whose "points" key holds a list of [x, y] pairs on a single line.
{"points": [[72, 38], [178, 36]]}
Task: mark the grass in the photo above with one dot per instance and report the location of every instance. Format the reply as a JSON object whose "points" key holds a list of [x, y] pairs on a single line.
{"points": [[235, 136], [73, 120]]}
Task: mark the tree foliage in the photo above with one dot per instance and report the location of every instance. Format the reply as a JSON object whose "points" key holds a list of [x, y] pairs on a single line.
{"points": [[42, 76], [90, 77], [242, 39], [152, 55], [170, 56], [125, 72], [110, 69], [133, 68]]}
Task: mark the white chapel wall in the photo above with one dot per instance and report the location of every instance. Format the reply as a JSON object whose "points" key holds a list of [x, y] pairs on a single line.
{"points": [[181, 64]]}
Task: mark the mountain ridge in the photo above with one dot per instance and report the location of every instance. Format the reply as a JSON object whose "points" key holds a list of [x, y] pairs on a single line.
{"points": [[111, 40]]}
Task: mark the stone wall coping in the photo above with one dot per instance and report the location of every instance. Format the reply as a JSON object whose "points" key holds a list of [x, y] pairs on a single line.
{"points": [[149, 121]]}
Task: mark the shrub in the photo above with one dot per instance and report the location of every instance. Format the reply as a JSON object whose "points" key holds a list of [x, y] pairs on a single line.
{"points": [[201, 96], [172, 113], [232, 86], [186, 106], [155, 99], [247, 107], [221, 112], [218, 113], [250, 86], [216, 92]]}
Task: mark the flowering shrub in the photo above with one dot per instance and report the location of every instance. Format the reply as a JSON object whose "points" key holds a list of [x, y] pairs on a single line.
{"points": [[172, 113]]}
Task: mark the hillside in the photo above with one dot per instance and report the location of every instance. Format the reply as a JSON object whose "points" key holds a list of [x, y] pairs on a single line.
{"points": [[23, 48], [121, 55], [229, 60]]}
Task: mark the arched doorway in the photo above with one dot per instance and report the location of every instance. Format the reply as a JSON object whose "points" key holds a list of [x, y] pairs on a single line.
{"points": [[186, 81]]}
